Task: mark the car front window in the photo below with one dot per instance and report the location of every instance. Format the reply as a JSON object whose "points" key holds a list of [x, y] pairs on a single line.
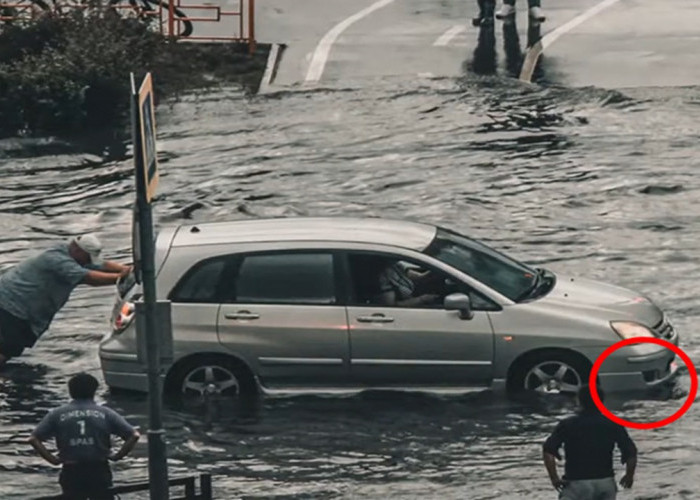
{"points": [[503, 274]]}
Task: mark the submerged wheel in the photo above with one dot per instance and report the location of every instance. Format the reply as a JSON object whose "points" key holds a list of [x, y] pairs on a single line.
{"points": [[209, 376], [547, 373]]}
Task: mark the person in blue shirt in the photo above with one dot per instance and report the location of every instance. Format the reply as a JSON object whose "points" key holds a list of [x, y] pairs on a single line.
{"points": [[589, 439], [34, 290], [83, 430]]}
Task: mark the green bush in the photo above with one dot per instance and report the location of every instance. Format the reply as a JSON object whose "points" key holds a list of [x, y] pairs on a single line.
{"points": [[63, 75]]}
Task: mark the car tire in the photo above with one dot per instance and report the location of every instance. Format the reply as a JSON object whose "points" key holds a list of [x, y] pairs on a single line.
{"points": [[549, 373], [211, 375]]}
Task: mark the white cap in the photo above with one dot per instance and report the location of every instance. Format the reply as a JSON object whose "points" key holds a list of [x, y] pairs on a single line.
{"points": [[90, 244]]}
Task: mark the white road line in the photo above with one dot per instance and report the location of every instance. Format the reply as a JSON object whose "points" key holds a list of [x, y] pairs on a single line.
{"points": [[445, 39], [536, 50], [323, 49], [270, 68], [552, 36]]}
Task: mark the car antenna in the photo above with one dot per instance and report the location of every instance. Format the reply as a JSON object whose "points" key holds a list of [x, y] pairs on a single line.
{"points": [[194, 229]]}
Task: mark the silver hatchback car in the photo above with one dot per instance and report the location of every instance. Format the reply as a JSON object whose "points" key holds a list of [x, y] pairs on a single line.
{"points": [[327, 304]]}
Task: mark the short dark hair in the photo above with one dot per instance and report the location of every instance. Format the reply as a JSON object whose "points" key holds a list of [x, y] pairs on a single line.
{"points": [[82, 386], [586, 400]]}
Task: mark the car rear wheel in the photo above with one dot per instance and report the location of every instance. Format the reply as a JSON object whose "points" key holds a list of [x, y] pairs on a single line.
{"points": [[212, 376], [550, 374]]}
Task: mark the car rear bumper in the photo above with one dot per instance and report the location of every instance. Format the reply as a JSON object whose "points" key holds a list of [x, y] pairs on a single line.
{"points": [[122, 371]]}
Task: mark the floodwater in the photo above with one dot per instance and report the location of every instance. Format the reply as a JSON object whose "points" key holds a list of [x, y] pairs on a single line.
{"points": [[588, 181]]}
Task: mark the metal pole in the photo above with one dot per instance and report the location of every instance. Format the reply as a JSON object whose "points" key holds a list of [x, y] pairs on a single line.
{"points": [[171, 19], [157, 459], [205, 484], [251, 26]]}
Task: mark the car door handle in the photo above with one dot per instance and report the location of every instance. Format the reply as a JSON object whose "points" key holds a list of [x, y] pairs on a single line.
{"points": [[375, 318], [242, 315]]}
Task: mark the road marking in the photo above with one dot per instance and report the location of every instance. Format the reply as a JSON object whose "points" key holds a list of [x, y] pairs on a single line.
{"points": [[270, 69], [323, 49], [445, 39], [534, 52]]}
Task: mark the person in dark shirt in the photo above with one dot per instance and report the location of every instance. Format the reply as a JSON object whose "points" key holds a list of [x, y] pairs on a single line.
{"points": [[83, 431], [589, 439]]}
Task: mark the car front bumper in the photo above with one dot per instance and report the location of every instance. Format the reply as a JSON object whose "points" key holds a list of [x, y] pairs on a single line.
{"points": [[650, 376]]}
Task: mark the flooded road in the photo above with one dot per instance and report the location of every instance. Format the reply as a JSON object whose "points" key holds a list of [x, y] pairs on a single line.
{"points": [[583, 181]]}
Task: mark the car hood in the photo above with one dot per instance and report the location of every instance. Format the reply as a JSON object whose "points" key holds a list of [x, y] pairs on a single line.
{"points": [[603, 300]]}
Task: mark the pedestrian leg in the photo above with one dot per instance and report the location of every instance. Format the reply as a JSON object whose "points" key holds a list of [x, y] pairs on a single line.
{"points": [[486, 13], [535, 10], [507, 10]]}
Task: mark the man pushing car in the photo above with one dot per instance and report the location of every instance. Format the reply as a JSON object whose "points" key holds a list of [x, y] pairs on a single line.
{"points": [[33, 291]]}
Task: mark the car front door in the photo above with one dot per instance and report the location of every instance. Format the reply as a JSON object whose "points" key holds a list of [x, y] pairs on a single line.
{"points": [[416, 345], [283, 316]]}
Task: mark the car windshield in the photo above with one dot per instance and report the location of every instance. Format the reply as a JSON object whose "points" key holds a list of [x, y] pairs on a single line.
{"points": [[503, 274]]}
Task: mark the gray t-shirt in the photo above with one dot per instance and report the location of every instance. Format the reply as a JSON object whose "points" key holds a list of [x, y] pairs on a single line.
{"points": [[34, 290], [83, 430]]}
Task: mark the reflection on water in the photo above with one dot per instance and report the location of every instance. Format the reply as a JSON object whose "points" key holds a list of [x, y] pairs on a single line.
{"points": [[484, 60], [582, 181]]}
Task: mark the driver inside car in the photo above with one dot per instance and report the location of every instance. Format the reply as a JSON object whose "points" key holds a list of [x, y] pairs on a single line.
{"points": [[401, 286]]}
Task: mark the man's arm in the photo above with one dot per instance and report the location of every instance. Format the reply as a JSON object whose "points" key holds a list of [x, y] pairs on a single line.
{"points": [[628, 479], [115, 267], [126, 448], [550, 463], [120, 427], [550, 453], [45, 430], [628, 451], [41, 449], [100, 278]]}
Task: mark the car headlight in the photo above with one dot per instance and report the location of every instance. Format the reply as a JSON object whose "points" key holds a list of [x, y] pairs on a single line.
{"points": [[630, 329]]}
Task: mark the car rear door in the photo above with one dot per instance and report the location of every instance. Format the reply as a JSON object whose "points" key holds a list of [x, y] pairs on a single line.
{"points": [[419, 345], [284, 318]]}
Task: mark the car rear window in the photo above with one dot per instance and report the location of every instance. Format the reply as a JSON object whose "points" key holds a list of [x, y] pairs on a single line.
{"points": [[294, 278], [201, 284]]}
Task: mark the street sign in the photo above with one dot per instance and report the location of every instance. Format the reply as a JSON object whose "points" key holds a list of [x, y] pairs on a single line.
{"points": [[148, 137]]}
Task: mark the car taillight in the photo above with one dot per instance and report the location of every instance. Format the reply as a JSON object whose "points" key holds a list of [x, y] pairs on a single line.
{"points": [[125, 317]]}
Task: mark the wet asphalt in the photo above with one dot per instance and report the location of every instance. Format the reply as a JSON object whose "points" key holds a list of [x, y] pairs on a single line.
{"points": [[589, 172]]}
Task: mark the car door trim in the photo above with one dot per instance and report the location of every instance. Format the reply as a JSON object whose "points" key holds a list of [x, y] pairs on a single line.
{"points": [[300, 361], [419, 362]]}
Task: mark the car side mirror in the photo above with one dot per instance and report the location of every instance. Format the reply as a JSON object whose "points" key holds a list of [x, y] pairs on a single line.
{"points": [[459, 302]]}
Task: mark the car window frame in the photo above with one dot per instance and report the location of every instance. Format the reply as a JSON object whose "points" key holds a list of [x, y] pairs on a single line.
{"points": [[172, 296], [348, 281]]}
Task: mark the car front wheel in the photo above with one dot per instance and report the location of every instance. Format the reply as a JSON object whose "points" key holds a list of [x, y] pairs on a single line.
{"points": [[550, 374]]}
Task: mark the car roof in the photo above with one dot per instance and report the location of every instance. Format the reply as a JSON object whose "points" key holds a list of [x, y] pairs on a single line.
{"points": [[405, 234]]}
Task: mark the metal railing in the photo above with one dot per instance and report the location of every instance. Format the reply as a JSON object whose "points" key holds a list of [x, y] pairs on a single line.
{"points": [[189, 482], [177, 19]]}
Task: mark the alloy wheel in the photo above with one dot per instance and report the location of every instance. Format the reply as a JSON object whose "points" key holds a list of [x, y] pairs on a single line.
{"points": [[552, 377], [210, 380]]}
